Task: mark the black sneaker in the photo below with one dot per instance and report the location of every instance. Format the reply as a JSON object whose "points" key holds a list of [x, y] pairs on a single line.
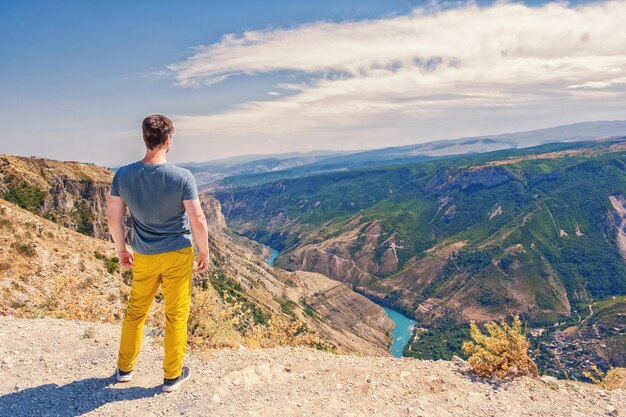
{"points": [[173, 384], [122, 376]]}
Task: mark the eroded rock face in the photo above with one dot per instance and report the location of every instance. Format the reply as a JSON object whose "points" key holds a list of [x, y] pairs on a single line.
{"points": [[352, 321], [71, 194], [352, 257], [213, 213], [341, 306], [464, 178], [44, 265], [619, 206], [74, 194]]}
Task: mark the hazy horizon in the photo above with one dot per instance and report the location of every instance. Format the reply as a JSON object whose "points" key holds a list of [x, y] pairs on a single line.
{"points": [[249, 157]]}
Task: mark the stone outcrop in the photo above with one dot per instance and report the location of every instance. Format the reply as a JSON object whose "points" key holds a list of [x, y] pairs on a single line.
{"points": [[464, 178], [213, 212], [71, 194], [351, 257]]}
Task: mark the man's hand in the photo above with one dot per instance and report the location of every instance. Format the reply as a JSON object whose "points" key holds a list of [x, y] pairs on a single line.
{"points": [[203, 262], [115, 215], [199, 231], [126, 257]]}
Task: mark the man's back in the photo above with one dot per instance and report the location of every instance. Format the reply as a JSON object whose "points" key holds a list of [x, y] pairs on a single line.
{"points": [[154, 194], [165, 209]]}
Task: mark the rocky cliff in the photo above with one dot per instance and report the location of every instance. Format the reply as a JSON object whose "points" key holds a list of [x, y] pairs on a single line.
{"points": [[71, 194], [333, 309], [464, 178], [43, 263]]}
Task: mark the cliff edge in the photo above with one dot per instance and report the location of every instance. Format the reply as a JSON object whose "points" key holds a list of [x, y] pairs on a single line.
{"points": [[52, 367]]}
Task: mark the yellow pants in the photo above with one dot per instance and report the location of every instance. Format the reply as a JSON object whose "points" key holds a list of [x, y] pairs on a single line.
{"points": [[172, 270]]}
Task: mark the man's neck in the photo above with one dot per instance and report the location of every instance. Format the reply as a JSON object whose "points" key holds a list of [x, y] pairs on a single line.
{"points": [[156, 156]]}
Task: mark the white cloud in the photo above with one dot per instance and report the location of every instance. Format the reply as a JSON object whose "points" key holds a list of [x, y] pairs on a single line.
{"points": [[429, 73], [273, 93], [599, 84]]}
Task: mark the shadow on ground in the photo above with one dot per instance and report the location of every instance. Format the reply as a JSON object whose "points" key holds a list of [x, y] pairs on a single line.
{"points": [[70, 400]]}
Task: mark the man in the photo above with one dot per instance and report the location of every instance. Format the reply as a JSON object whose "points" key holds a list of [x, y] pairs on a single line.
{"points": [[164, 206]]}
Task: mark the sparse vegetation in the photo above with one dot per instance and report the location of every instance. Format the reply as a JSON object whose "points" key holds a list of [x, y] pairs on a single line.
{"points": [[127, 276], [24, 195], [25, 249], [286, 306], [501, 353], [227, 321], [84, 218], [112, 265], [613, 379], [308, 310]]}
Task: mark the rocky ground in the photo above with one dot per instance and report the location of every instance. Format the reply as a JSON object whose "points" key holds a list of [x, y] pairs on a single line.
{"points": [[52, 367]]}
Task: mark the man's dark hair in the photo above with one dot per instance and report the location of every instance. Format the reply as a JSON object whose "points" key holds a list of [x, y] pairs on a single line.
{"points": [[156, 129]]}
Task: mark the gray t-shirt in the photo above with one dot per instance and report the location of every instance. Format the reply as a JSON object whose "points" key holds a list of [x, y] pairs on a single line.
{"points": [[154, 194]]}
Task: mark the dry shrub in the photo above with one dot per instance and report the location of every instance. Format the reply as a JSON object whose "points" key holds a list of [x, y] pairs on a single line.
{"points": [[92, 305], [501, 353], [212, 322], [58, 298], [281, 331], [25, 250], [614, 378], [215, 323]]}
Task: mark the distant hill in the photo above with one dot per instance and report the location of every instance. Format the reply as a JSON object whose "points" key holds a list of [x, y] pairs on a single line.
{"points": [[217, 175], [209, 173]]}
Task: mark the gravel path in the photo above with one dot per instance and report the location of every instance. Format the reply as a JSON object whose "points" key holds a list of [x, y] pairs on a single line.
{"points": [[61, 368]]}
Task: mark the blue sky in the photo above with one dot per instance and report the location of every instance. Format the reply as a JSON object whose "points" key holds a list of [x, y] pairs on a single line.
{"points": [[77, 77]]}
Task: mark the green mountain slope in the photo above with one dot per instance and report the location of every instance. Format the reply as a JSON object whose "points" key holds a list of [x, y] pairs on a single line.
{"points": [[531, 231]]}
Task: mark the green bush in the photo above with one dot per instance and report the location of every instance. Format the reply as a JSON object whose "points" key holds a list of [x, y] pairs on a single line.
{"points": [[24, 195], [84, 219], [286, 306], [112, 265]]}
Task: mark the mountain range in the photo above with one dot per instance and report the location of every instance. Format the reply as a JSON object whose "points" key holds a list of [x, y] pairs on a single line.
{"points": [[536, 231], [254, 169]]}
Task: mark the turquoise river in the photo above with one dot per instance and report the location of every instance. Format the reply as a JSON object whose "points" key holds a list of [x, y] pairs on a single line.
{"points": [[404, 326]]}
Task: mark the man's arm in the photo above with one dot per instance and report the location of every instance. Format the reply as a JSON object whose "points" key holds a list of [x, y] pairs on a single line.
{"points": [[199, 230], [116, 208]]}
